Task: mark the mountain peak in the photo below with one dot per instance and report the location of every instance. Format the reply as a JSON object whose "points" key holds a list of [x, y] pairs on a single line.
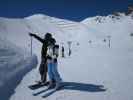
{"points": [[38, 16]]}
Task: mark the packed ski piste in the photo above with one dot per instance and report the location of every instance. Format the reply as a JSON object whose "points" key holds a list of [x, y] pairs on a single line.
{"points": [[43, 57]]}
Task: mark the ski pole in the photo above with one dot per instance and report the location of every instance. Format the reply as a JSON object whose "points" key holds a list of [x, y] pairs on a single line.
{"points": [[31, 45]]}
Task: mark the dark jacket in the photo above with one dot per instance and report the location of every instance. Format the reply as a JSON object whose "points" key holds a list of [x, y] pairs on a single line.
{"points": [[45, 43]]}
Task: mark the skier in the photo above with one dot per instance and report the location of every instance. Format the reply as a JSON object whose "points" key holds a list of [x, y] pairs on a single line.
{"points": [[62, 50], [69, 46], [69, 52], [52, 55], [43, 65]]}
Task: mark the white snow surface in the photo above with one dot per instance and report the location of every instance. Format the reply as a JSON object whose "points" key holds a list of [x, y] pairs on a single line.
{"points": [[93, 71]]}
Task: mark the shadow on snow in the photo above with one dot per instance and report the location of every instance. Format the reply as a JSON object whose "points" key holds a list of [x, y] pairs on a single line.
{"points": [[75, 86]]}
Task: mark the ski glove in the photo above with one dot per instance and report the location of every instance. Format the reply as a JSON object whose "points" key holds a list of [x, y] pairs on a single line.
{"points": [[31, 34]]}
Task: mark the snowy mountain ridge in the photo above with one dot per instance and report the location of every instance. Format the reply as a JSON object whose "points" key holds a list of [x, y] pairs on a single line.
{"points": [[112, 17], [69, 30]]}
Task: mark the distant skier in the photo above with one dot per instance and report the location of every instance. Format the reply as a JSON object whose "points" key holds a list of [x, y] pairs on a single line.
{"points": [[62, 51], [52, 55], [69, 48], [69, 52], [43, 65]]}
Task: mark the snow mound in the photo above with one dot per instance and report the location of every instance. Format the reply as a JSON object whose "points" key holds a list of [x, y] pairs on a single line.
{"points": [[14, 64]]}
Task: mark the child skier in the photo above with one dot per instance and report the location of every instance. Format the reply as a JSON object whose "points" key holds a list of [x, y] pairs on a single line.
{"points": [[52, 55]]}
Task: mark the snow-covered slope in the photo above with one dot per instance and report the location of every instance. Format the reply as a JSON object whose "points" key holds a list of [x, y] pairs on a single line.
{"points": [[118, 28], [93, 70]]}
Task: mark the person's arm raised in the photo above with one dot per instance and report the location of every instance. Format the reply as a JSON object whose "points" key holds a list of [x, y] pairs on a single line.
{"points": [[37, 37]]}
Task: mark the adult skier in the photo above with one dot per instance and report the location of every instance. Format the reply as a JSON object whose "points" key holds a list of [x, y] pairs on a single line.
{"points": [[43, 64]]}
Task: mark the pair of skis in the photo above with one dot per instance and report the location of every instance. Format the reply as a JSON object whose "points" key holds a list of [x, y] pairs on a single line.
{"points": [[50, 90], [38, 85], [47, 92]]}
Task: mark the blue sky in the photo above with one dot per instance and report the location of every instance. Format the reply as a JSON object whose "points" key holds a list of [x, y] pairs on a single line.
{"points": [[76, 10]]}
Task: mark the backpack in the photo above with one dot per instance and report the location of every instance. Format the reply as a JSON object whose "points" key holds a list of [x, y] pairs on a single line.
{"points": [[53, 51]]}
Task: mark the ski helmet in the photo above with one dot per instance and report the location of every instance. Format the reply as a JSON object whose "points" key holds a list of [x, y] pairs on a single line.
{"points": [[48, 36]]}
